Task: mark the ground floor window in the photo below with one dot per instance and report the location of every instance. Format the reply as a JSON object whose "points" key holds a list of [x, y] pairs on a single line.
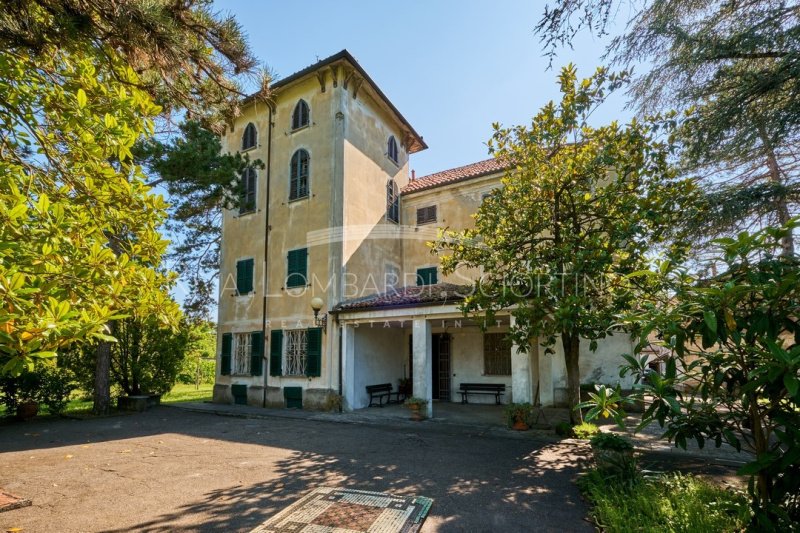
{"points": [[496, 354], [295, 352], [241, 353]]}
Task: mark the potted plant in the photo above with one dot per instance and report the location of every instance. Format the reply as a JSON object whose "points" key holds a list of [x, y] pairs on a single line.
{"points": [[29, 389], [518, 416], [416, 405], [611, 450], [404, 387]]}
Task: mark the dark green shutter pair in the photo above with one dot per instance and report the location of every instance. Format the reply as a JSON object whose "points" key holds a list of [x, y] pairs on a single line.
{"points": [[244, 276], [313, 351], [427, 276], [256, 353], [297, 271]]}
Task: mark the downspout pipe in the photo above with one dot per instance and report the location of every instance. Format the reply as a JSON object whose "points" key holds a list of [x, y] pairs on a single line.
{"points": [[265, 277]]}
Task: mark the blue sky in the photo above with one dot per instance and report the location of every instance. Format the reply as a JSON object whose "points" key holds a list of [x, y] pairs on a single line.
{"points": [[451, 67]]}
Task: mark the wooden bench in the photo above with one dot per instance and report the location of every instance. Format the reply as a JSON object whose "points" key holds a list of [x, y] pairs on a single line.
{"points": [[496, 389], [383, 392]]}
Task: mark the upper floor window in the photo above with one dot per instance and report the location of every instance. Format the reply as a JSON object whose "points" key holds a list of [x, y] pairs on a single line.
{"points": [[247, 193], [297, 268], [244, 276], [249, 137], [426, 215], [392, 202], [427, 276], [300, 115], [391, 149], [298, 175]]}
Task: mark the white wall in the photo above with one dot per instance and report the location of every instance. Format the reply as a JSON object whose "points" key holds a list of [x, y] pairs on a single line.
{"points": [[379, 356], [467, 365]]}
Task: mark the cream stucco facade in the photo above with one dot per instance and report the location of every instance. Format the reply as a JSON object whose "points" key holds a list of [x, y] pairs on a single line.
{"points": [[353, 252]]}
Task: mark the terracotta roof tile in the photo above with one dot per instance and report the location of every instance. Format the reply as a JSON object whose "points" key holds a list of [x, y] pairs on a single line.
{"points": [[445, 177], [440, 293]]}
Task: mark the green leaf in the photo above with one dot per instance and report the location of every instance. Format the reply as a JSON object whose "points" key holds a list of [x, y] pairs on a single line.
{"points": [[81, 95], [711, 320], [792, 384]]}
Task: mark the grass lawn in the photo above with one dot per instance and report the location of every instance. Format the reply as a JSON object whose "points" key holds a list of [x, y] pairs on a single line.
{"points": [[672, 503], [188, 393]]}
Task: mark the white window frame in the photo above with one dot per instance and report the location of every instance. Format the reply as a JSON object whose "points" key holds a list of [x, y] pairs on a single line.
{"points": [[295, 352], [242, 350]]}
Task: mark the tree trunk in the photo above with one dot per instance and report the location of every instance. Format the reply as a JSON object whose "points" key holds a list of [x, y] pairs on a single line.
{"points": [[102, 385], [781, 207], [571, 345]]}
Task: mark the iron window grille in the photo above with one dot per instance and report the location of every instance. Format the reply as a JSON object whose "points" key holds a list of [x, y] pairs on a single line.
{"points": [[295, 352], [241, 355], [496, 354]]}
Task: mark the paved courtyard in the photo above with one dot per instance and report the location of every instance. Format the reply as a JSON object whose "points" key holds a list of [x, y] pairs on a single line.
{"points": [[174, 470]]}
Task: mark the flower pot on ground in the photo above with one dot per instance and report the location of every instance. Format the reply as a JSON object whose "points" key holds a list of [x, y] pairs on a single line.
{"points": [[518, 416], [416, 405], [27, 410]]}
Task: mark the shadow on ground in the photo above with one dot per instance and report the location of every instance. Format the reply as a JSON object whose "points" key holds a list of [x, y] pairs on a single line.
{"points": [[169, 470]]}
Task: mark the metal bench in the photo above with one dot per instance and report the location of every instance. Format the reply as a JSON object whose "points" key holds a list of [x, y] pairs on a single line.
{"points": [[495, 389], [383, 392]]}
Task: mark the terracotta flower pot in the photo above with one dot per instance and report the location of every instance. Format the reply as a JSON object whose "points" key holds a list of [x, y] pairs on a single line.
{"points": [[416, 413], [27, 410], [520, 425]]}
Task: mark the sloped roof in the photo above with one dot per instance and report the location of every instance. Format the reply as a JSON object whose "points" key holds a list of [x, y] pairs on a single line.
{"points": [[417, 145], [453, 175], [410, 296]]}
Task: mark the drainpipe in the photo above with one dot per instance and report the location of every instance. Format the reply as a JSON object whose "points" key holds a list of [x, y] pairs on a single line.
{"points": [[265, 277]]}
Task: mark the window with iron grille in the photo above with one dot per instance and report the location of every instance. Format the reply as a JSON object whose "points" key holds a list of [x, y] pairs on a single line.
{"points": [[295, 345], [249, 137], [241, 353], [426, 215], [298, 175], [300, 117], [247, 195], [392, 202], [496, 354], [391, 149]]}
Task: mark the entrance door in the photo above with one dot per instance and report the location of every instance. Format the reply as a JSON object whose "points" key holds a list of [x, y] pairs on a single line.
{"points": [[441, 366]]}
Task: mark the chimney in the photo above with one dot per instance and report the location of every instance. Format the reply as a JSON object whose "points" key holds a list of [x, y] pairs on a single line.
{"points": [[413, 174]]}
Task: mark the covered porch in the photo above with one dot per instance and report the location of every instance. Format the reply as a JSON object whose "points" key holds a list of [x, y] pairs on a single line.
{"points": [[421, 344]]}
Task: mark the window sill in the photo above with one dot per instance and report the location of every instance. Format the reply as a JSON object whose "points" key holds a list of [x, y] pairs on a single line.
{"points": [[246, 213], [299, 198], [301, 128], [245, 150]]}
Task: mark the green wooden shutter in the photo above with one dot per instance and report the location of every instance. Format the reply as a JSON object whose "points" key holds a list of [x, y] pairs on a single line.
{"points": [[244, 276], [276, 352], [427, 276], [225, 360], [297, 268], [256, 353], [314, 352]]}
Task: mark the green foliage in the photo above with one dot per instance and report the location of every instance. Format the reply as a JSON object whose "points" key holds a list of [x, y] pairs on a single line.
{"points": [[47, 384], [732, 68], [199, 363], [580, 208], [415, 403], [521, 412], [79, 242], [611, 441], [734, 371], [585, 430], [606, 402], [671, 503], [148, 356], [57, 385], [564, 429]]}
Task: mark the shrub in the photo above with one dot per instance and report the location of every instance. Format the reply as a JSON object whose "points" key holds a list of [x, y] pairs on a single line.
{"points": [[56, 386], [672, 503], [611, 442], [585, 430], [564, 429], [518, 411]]}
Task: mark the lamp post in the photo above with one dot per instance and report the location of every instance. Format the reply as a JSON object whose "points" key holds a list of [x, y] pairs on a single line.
{"points": [[316, 306]]}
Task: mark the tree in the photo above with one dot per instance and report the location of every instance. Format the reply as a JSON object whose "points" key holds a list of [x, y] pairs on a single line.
{"points": [[181, 54], [734, 67], [200, 181], [199, 364], [579, 209], [69, 186], [733, 373]]}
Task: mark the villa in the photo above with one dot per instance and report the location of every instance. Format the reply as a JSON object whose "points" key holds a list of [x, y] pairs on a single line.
{"points": [[327, 282]]}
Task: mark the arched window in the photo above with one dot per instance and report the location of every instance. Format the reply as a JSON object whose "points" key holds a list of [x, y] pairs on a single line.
{"points": [[392, 202], [250, 137], [391, 149], [247, 192], [298, 175], [300, 115]]}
